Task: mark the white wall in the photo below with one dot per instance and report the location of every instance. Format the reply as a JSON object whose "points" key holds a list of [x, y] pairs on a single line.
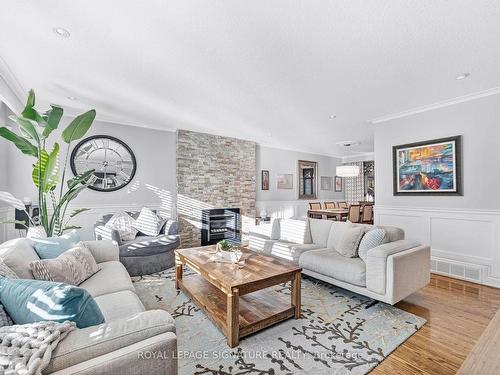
{"points": [[154, 184], [285, 203], [463, 231]]}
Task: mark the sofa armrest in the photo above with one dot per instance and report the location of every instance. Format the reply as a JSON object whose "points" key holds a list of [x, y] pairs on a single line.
{"points": [[101, 232], [156, 355], [376, 263], [103, 251], [88, 343]]}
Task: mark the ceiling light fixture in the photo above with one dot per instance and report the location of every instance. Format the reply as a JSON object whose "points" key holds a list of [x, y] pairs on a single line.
{"points": [[332, 117], [347, 170], [61, 32], [347, 143], [72, 98], [462, 76]]}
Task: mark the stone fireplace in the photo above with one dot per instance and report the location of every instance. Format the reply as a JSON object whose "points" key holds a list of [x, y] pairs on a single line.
{"points": [[213, 173]]}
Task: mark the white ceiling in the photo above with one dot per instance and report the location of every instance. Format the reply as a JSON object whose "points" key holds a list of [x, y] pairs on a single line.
{"points": [[269, 71]]}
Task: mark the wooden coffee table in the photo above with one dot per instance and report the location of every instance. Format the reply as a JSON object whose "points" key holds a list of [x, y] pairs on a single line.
{"points": [[233, 297]]}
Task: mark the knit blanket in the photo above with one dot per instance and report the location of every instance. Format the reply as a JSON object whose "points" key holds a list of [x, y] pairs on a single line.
{"points": [[27, 349]]}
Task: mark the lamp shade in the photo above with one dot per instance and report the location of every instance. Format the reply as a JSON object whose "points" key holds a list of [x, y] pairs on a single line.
{"points": [[347, 170]]}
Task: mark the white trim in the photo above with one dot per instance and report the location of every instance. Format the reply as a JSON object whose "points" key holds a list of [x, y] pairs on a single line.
{"points": [[473, 211], [441, 104], [366, 156]]}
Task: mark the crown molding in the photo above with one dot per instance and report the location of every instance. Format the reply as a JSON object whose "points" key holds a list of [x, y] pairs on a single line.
{"points": [[430, 107], [366, 156]]}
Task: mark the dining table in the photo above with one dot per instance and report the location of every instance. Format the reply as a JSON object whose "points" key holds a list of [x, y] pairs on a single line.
{"points": [[339, 213]]}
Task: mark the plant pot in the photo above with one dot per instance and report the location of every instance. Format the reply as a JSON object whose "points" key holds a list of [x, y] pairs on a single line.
{"points": [[36, 232]]}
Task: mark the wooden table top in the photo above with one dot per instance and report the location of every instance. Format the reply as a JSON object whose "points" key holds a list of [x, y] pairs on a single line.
{"points": [[258, 267]]}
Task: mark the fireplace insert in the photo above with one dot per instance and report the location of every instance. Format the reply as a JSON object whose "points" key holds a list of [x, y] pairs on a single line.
{"points": [[220, 224]]}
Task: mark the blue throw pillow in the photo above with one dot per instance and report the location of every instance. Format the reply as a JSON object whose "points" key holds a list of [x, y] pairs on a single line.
{"points": [[371, 239], [52, 247], [29, 301]]}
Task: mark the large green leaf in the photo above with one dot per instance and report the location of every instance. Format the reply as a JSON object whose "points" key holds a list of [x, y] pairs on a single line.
{"points": [[30, 102], [48, 169], [53, 118], [83, 178], [27, 127], [79, 126], [30, 112], [25, 146], [78, 211]]}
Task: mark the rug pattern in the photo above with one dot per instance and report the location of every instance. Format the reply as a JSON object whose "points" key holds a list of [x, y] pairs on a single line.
{"points": [[337, 333]]}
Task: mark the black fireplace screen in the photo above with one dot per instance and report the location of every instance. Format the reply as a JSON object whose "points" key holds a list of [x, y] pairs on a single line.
{"points": [[221, 224]]}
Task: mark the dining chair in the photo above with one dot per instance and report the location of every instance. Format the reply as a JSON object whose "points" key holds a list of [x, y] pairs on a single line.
{"points": [[315, 206], [354, 215], [330, 205], [342, 204], [367, 214]]}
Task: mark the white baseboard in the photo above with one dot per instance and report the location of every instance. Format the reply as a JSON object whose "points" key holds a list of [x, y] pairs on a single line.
{"points": [[462, 241]]}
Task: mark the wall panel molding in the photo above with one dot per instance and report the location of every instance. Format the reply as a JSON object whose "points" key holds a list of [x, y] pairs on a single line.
{"points": [[470, 237]]}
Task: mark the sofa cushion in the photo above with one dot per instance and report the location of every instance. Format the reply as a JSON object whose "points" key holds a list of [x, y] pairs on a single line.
{"points": [[320, 230], [290, 250], [124, 224], [5, 271], [119, 304], [149, 245], [112, 277], [74, 266], [29, 301], [392, 233], [330, 263], [84, 344], [295, 230], [52, 247], [17, 254], [148, 222]]}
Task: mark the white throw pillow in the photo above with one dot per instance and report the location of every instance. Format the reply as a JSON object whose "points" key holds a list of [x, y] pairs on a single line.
{"points": [[295, 230], [124, 224], [148, 222], [371, 239]]}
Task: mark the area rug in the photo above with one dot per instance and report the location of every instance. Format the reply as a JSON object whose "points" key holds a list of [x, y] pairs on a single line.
{"points": [[339, 333]]}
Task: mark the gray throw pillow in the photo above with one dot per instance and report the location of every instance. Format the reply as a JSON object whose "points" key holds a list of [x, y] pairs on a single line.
{"points": [[148, 222], [71, 267], [371, 239], [348, 243], [5, 271]]}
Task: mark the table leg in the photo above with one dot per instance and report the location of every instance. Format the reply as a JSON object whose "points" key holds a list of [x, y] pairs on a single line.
{"points": [[233, 318], [178, 274], [296, 294]]}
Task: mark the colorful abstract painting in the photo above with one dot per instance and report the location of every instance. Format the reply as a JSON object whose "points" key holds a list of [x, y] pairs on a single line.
{"points": [[428, 167]]}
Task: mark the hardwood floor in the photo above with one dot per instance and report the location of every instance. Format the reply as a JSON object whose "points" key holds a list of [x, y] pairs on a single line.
{"points": [[457, 313]]}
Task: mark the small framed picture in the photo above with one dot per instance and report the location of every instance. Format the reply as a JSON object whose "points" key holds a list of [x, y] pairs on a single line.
{"points": [[326, 183], [338, 184], [264, 177], [284, 181]]}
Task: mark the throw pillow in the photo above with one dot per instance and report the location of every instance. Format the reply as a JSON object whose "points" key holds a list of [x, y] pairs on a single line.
{"points": [[348, 243], [5, 319], [5, 271], [371, 239], [73, 267], [30, 301], [124, 224], [52, 247], [149, 223]]}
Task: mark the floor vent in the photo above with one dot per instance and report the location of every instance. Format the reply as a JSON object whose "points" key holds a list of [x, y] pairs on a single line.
{"points": [[460, 270]]}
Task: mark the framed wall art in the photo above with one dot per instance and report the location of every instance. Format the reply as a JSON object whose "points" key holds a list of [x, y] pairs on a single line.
{"points": [[428, 168]]}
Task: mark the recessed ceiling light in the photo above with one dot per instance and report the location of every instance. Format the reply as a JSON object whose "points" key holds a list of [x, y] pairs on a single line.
{"points": [[61, 32], [332, 117], [462, 76], [348, 143], [72, 98]]}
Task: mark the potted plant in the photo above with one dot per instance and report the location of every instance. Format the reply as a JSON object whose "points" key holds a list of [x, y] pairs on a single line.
{"points": [[227, 251], [48, 174]]}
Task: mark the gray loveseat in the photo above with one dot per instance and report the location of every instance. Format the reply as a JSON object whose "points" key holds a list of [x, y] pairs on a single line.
{"points": [[145, 254], [124, 343], [389, 273]]}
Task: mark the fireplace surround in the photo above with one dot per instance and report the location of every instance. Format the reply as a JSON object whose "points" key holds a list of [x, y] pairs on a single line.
{"points": [[220, 224]]}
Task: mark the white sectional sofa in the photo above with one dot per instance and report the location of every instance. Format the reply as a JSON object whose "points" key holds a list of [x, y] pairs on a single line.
{"points": [[388, 273], [124, 344]]}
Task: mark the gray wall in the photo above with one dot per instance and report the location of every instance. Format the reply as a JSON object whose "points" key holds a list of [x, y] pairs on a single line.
{"points": [[478, 121], [285, 162]]}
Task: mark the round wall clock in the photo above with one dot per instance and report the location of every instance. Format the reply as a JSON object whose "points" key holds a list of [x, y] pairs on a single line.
{"points": [[113, 161]]}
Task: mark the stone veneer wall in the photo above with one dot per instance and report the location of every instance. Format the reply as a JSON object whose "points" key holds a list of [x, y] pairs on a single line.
{"points": [[213, 172]]}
